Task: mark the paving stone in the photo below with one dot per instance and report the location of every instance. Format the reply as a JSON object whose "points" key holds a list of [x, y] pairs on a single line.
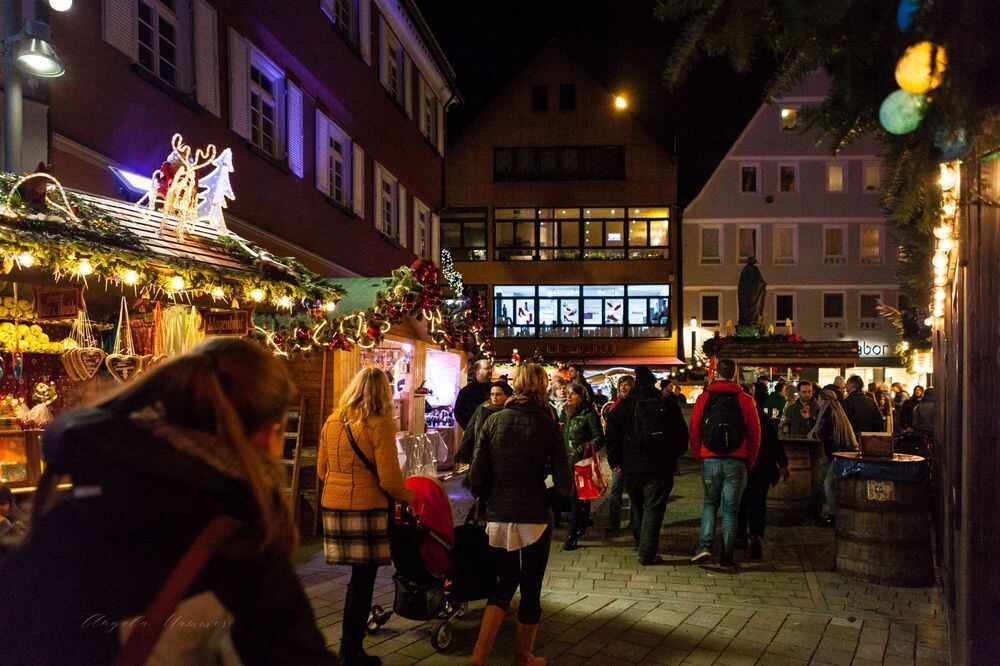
{"points": [[701, 657], [789, 650], [666, 656], [730, 658], [749, 648], [586, 647], [832, 657]]}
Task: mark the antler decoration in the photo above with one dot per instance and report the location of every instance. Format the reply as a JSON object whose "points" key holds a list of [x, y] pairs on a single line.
{"points": [[174, 185]]}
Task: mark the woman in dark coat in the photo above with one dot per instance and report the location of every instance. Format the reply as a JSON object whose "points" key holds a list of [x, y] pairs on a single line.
{"points": [[516, 450], [499, 392], [771, 465], [190, 441], [582, 430]]}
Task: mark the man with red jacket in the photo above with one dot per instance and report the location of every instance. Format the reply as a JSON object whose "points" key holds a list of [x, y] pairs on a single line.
{"points": [[725, 438]]}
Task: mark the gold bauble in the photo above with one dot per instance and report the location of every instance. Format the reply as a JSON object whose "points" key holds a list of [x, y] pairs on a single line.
{"points": [[914, 72]]}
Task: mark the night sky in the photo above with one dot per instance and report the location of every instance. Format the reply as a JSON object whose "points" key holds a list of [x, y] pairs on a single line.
{"points": [[623, 46]]}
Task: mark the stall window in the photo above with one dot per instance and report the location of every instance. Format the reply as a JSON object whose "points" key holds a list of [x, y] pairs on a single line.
{"points": [[463, 233]]}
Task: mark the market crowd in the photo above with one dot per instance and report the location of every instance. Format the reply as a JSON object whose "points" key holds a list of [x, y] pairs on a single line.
{"points": [[177, 507]]}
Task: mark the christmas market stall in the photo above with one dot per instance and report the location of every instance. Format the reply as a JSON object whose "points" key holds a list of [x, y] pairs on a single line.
{"points": [[96, 291]]}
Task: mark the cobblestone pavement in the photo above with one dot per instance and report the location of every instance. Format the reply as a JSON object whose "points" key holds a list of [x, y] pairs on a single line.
{"points": [[601, 606]]}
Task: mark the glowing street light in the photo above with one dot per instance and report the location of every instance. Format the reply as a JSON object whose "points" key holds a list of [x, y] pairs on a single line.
{"points": [[621, 102]]}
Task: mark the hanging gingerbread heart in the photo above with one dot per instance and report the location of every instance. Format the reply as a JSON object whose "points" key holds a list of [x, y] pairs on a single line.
{"points": [[84, 360], [123, 363], [123, 367]]}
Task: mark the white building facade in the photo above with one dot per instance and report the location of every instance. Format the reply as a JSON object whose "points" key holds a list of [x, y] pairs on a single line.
{"points": [[814, 223]]}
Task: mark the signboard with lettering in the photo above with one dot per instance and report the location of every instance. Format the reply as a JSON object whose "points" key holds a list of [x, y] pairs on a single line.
{"points": [[226, 322], [866, 348], [58, 303]]}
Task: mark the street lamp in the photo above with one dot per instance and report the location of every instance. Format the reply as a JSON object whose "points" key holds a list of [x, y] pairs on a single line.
{"points": [[621, 102], [31, 51]]}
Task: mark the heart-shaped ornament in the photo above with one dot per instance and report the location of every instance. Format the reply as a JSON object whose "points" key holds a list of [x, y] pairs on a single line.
{"points": [[82, 363], [123, 367], [150, 361]]}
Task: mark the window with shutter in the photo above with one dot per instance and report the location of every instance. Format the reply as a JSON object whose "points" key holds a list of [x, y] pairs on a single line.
{"points": [[388, 210], [435, 238], [403, 229], [119, 25], [748, 243], [358, 186], [239, 84], [784, 245], [206, 47], [296, 149], [266, 88], [392, 63], [421, 220], [156, 31]]}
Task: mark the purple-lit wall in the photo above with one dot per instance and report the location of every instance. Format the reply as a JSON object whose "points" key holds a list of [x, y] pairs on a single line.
{"points": [[103, 105]]}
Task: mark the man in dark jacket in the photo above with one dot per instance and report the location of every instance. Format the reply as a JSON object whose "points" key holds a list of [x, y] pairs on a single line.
{"points": [[723, 471], [473, 394], [645, 437], [860, 409], [799, 417]]}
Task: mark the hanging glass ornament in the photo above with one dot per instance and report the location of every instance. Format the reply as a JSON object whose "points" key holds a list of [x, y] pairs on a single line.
{"points": [[902, 111], [921, 68], [953, 142], [905, 13]]}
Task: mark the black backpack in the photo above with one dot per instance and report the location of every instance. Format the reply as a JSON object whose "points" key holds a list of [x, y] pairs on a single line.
{"points": [[722, 429], [654, 428]]}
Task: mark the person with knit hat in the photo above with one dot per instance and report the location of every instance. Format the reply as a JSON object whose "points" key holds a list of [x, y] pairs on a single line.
{"points": [[646, 434]]}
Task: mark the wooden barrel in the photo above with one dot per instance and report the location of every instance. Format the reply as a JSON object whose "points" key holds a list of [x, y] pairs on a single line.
{"points": [[787, 502], [883, 527]]}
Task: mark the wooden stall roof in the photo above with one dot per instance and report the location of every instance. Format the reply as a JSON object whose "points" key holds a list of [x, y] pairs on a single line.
{"points": [[199, 242], [810, 353], [359, 294]]}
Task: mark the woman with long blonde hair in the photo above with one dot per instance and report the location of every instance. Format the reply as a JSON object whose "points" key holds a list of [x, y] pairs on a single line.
{"points": [[833, 429], [184, 446], [360, 472], [515, 450]]}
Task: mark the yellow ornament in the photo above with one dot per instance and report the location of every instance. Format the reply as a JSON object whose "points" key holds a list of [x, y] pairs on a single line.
{"points": [[914, 71]]}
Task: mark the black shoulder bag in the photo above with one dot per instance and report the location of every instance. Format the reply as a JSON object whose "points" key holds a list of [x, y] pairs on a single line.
{"points": [[391, 504]]}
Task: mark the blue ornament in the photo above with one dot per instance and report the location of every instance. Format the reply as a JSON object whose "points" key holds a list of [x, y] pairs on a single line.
{"points": [[904, 15], [953, 142], [902, 111]]}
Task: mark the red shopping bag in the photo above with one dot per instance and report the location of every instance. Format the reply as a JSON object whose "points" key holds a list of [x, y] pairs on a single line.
{"points": [[590, 482]]}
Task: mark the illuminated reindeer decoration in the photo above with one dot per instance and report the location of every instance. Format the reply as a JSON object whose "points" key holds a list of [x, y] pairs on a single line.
{"points": [[174, 185]]}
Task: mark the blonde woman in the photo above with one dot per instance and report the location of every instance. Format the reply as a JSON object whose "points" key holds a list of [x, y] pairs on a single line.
{"points": [[360, 471], [834, 430], [515, 450]]}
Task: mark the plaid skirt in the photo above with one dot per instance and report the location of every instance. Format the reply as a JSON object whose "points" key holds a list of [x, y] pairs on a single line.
{"points": [[356, 537]]}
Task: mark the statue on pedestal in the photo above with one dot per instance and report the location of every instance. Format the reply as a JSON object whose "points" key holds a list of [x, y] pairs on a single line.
{"points": [[751, 294]]}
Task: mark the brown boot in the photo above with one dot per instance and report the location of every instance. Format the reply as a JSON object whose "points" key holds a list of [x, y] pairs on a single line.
{"points": [[525, 644], [488, 630]]}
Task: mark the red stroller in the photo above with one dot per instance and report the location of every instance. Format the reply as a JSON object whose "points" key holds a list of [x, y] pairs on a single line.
{"points": [[439, 567]]}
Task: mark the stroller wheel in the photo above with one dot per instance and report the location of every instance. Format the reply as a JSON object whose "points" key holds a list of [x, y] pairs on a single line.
{"points": [[441, 635]]}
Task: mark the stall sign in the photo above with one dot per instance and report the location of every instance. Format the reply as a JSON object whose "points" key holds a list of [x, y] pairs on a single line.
{"points": [[230, 322], [866, 348], [579, 349], [58, 303]]}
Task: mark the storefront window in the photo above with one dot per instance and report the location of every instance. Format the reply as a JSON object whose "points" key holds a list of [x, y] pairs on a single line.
{"points": [[571, 311]]}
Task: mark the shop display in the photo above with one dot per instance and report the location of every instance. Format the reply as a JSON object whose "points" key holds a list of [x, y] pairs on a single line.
{"points": [[441, 417]]}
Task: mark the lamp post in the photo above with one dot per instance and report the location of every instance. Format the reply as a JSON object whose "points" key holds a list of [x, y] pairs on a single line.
{"points": [[26, 47], [694, 337]]}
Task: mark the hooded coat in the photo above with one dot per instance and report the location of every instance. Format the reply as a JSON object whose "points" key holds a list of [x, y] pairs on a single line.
{"points": [[143, 490], [583, 427]]}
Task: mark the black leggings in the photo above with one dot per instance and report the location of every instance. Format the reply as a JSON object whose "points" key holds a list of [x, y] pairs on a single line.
{"points": [[525, 567], [357, 605]]}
